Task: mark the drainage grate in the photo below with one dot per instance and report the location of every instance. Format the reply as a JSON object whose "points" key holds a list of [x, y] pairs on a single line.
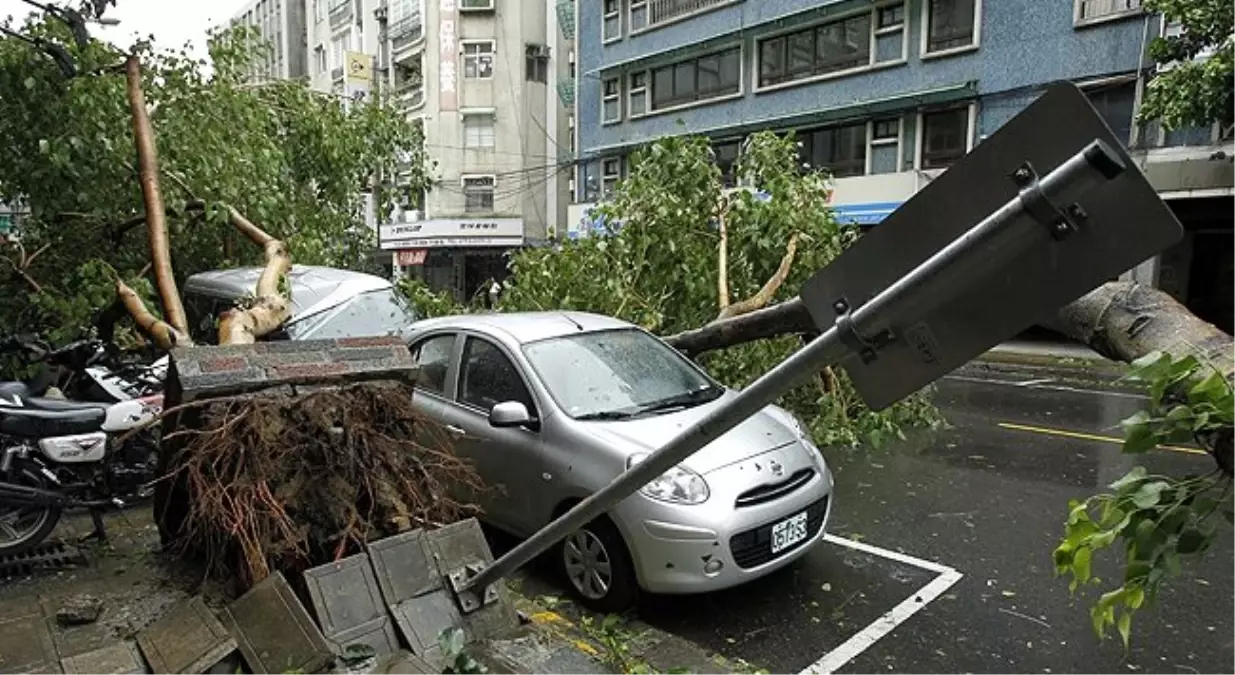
{"points": [[47, 556]]}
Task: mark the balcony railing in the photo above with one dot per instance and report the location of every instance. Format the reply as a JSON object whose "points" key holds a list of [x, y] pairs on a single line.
{"points": [[406, 35], [662, 11], [566, 18], [410, 97], [340, 12], [1096, 9]]}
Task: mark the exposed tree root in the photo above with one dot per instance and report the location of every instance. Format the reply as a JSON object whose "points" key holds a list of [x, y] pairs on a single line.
{"points": [[290, 481]]}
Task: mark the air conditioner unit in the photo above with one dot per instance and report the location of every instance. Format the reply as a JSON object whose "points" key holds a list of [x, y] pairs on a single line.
{"points": [[476, 5], [538, 51]]}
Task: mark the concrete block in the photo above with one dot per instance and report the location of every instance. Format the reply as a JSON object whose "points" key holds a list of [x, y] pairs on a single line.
{"points": [[404, 566], [188, 639], [463, 543], [121, 658], [274, 631], [349, 606], [26, 644]]}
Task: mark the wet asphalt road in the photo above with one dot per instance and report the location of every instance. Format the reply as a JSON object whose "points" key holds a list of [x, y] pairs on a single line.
{"points": [[989, 501]]}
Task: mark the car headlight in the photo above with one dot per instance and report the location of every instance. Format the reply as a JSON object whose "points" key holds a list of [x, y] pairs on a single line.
{"points": [[678, 485]]}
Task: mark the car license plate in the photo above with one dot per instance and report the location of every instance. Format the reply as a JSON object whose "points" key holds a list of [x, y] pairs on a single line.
{"points": [[788, 532]]}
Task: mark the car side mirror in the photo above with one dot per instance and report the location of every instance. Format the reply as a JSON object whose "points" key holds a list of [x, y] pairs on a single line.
{"points": [[510, 414]]}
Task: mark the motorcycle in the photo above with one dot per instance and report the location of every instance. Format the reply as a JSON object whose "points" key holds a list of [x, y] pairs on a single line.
{"points": [[57, 454], [85, 370]]}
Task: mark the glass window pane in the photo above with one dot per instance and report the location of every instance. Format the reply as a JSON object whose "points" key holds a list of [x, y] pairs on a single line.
{"points": [[802, 51], [943, 139], [662, 86], [433, 358], [731, 70], [950, 24], [709, 74], [638, 103], [684, 81], [772, 61], [488, 377]]}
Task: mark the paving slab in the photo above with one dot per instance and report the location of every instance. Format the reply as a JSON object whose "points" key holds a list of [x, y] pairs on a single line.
{"points": [[121, 658], [404, 567], [457, 545], [188, 639], [26, 644], [348, 604], [274, 631]]}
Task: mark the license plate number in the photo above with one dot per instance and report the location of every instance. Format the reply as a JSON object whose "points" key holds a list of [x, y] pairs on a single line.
{"points": [[788, 532]]}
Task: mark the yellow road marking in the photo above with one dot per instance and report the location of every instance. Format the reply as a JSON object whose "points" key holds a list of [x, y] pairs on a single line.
{"points": [[1092, 437]]}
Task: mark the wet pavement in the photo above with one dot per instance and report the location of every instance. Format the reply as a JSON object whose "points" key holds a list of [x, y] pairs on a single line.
{"points": [[986, 497]]}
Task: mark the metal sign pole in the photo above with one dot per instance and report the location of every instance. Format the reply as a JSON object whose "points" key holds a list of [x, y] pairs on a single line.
{"points": [[994, 238]]}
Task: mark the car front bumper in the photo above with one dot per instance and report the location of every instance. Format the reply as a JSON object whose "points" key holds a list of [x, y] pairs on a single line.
{"points": [[689, 549]]}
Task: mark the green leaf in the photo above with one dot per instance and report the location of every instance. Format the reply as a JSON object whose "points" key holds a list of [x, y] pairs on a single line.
{"points": [[1191, 541], [30, 82], [1134, 476], [1149, 494], [1080, 564], [1125, 627]]}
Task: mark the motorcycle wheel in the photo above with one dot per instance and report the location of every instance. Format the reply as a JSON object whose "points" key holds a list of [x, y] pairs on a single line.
{"points": [[24, 527]]}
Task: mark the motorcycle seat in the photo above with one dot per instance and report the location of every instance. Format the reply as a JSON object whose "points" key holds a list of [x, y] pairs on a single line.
{"points": [[9, 390], [32, 423], [62, 405]]}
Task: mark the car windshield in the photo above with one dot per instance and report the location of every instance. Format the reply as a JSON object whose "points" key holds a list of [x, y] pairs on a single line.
{"points": [[617, 374], [380, 312]]}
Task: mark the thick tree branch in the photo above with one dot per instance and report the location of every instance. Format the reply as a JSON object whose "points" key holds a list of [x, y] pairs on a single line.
{"points": [[786, 318], [271, 308], [163, 333], [765, 294], [156, 220], [722, 264]]}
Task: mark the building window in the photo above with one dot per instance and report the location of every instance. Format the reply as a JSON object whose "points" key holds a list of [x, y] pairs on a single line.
{"points": [[945, 137], [950, 24], [839, 150], [1115, 104], [892, 16], [698, 79], [478, 194], [319, 11], [479, 130], [478, 60], [886, 131], [638, 15], [475, 5], [319, 59], [537, 64], [610, 174], [339, 45], [612, 102], [613, 20], [638, 93], [1091, 10], [726, 155], [832, 47]]}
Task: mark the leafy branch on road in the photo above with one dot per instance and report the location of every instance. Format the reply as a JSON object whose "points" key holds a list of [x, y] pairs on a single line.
{"points": [[1157, 518]]}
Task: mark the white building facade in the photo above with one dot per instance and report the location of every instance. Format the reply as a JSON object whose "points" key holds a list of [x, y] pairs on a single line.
{"points": [[282, 24]]}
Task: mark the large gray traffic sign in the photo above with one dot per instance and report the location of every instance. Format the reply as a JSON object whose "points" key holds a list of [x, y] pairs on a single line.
{"points": [[1119, 224], [1039, 214]]}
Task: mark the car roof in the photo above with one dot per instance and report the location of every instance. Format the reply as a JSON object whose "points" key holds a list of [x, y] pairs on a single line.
{"points": [[525, 327], [314, 288]]}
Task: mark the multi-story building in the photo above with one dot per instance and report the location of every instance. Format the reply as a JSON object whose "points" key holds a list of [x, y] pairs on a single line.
{"points": [[483, 77], [282, 24], [886, 94]]}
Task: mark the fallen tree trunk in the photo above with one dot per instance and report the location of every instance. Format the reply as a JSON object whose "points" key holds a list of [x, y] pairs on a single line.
{"points": [[1120, 320], [271, 307]]}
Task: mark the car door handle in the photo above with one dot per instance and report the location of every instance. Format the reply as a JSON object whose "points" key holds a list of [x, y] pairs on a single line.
{"points": [[455, 430]]}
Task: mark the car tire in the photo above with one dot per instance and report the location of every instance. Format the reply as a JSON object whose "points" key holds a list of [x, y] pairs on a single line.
{"points": [[597, 547]]}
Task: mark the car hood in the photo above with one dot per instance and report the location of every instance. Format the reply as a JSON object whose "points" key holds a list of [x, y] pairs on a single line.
{"points": [[763, 431]]}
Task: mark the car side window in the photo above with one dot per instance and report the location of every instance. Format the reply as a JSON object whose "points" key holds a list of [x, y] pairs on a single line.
{"points": [[432, 355], [488, 377]]}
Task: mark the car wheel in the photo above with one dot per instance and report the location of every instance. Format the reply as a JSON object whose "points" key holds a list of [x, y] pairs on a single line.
{"points": [[595, 562]]}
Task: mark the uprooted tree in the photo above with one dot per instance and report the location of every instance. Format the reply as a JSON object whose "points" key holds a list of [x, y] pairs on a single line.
{"points": [[279, 480], [295, 161]]}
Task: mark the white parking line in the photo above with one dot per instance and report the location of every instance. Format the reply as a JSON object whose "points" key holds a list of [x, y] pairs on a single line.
{"points": [[1036, 384], [863, 639]]}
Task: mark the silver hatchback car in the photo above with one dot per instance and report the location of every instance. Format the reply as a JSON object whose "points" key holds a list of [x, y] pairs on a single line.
{"points": [[552, 406]]}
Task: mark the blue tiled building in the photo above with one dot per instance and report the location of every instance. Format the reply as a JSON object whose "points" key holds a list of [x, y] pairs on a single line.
{"points": [[885, 94]]}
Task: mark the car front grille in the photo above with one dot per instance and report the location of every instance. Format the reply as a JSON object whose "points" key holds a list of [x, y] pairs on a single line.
{"points": [[774, 491], [753, 547]]}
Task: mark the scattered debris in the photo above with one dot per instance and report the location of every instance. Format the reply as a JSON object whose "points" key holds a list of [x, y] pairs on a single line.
{"points": [[1026, 617], [79, 610]]}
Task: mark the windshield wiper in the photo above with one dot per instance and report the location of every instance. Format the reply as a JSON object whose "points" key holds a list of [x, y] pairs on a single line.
{"points": [[607, 415], [688, 399]]}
